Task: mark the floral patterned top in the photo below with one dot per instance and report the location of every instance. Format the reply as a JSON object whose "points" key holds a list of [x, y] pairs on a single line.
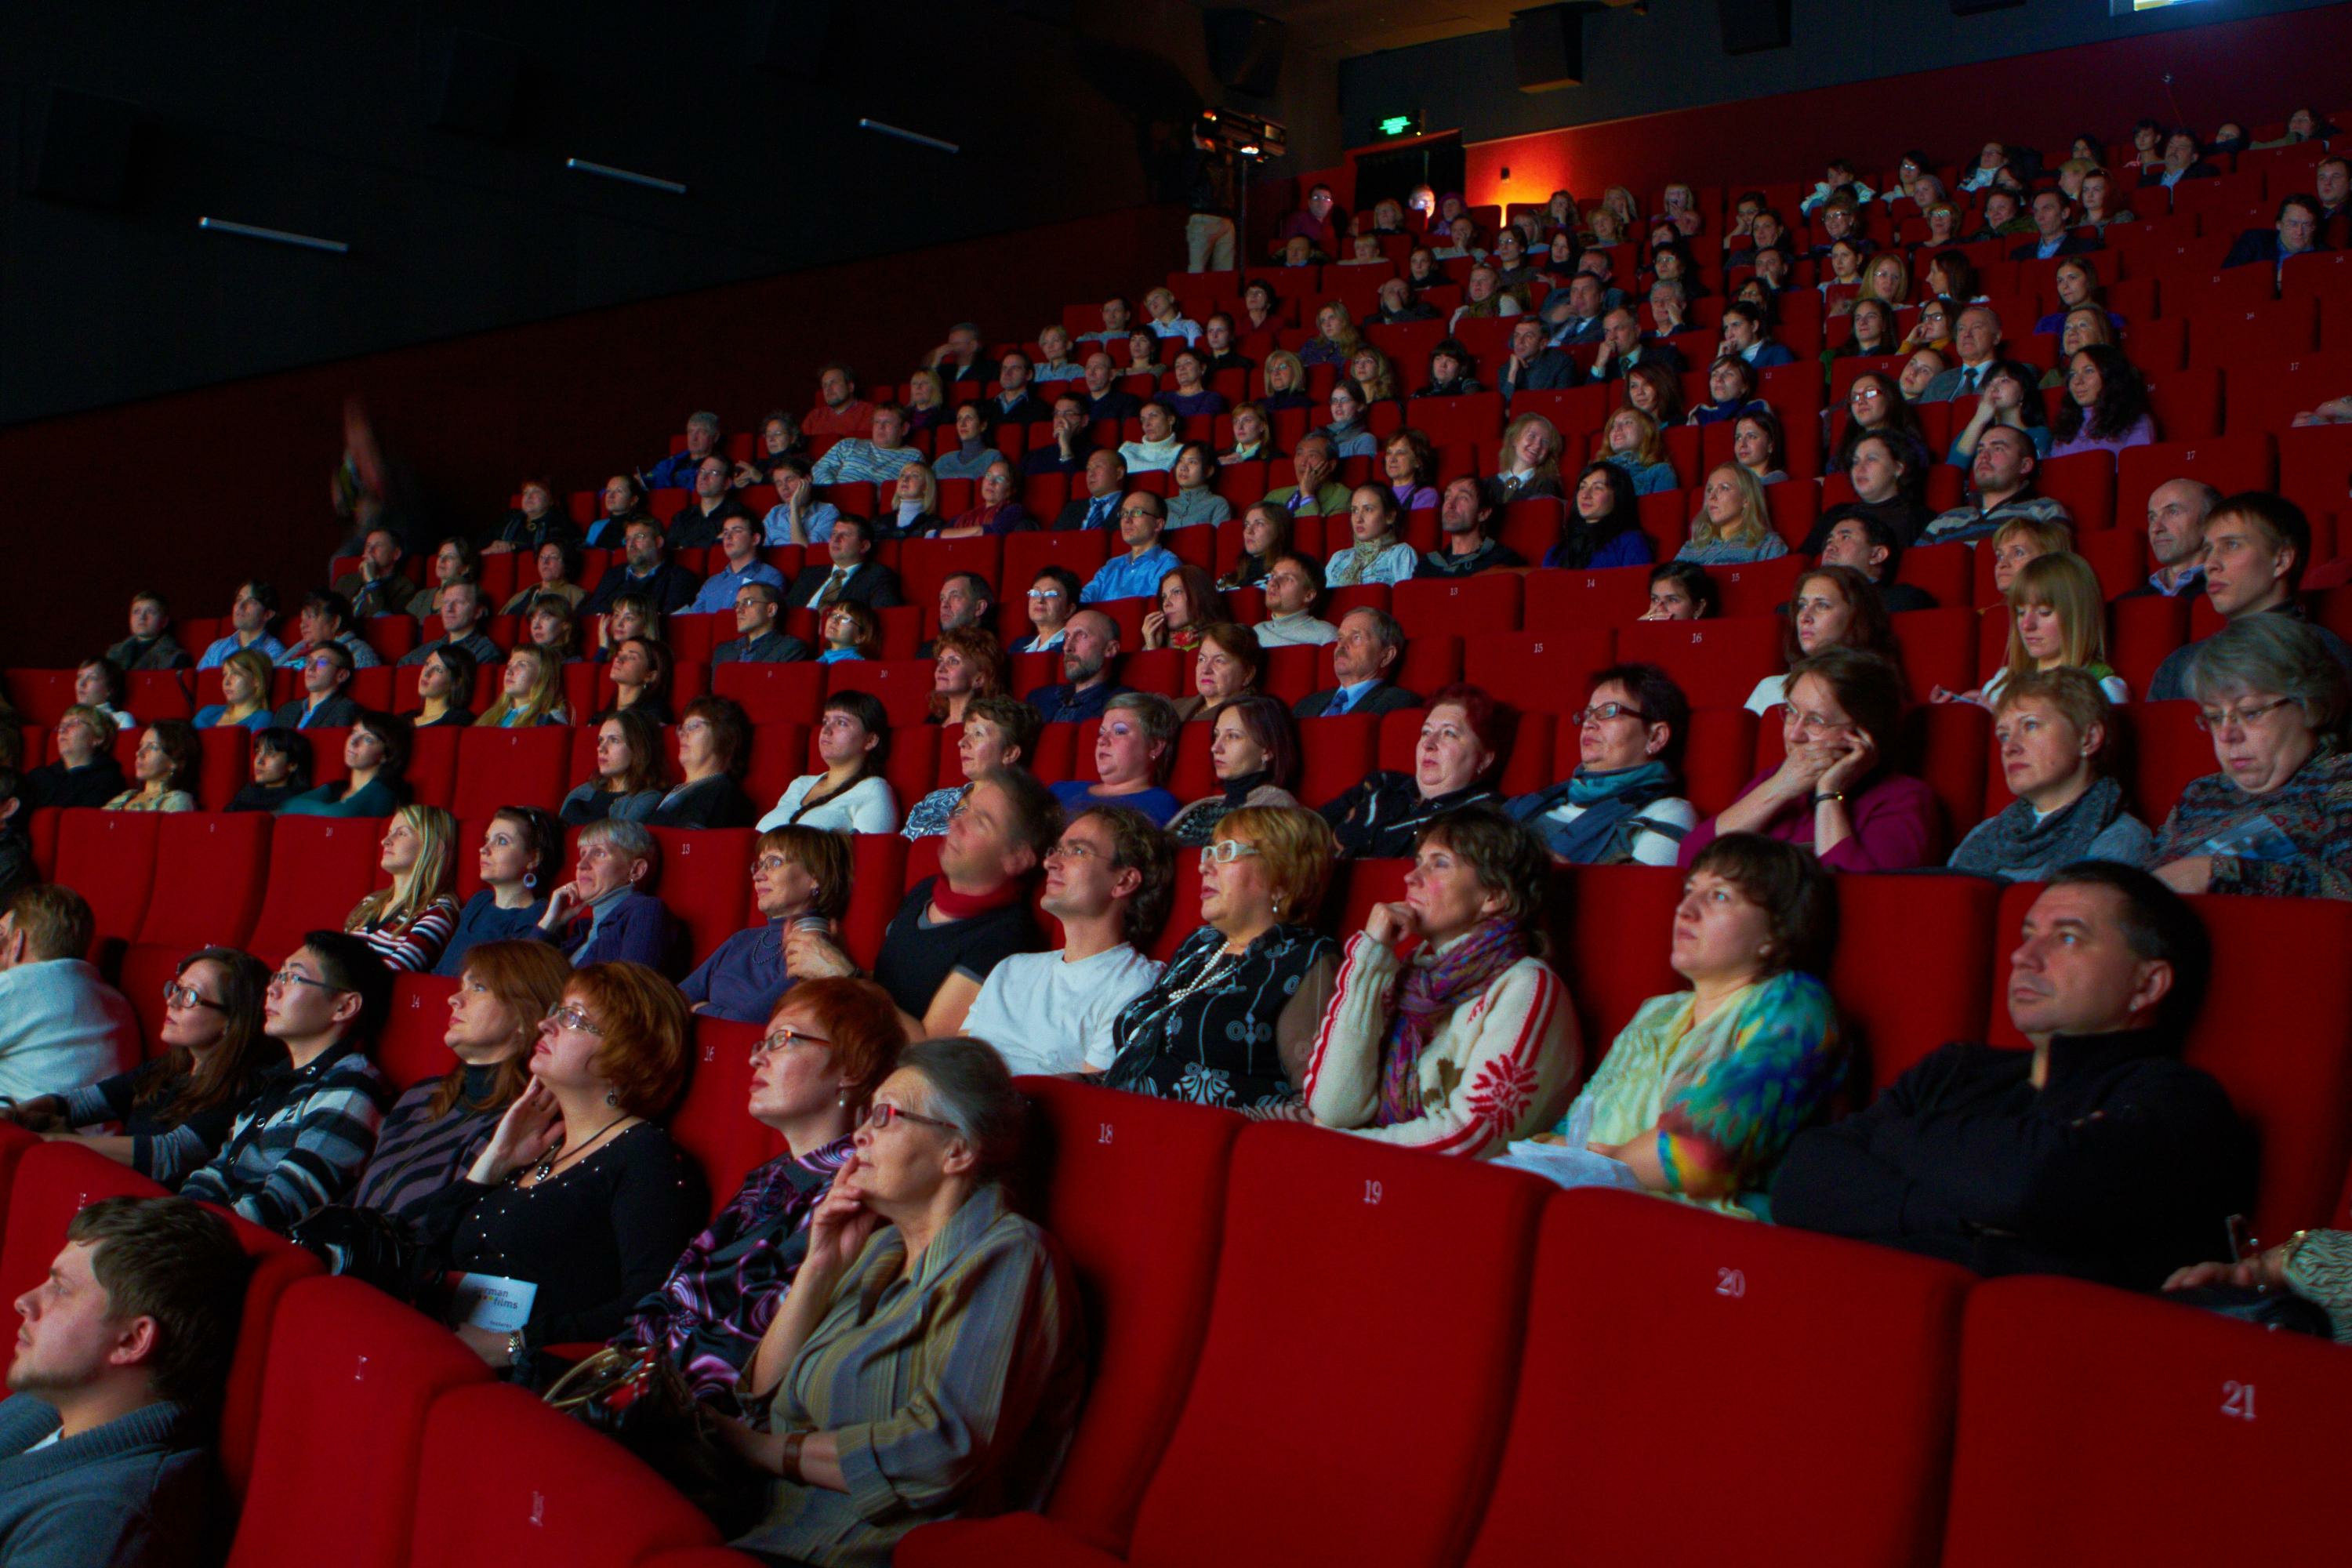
{"points": [[1209, 1030], [1724, 1096]]}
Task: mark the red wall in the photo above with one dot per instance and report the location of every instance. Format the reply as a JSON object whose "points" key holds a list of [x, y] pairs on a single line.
{"points": [[193, 493], [2260, 67]]}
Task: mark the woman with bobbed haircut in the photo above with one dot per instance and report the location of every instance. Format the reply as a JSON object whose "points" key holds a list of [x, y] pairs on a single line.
{"points": [[1227, 663], [1834, 792], [714, 743], [921, 1293], [1232, 1020], [1619, 806], [1699, 1095], [2277, 818], [830, 1044], [968, 663], [376, 752], [578, 1190], [175, 1111], [1464, 740], [1254, 753], [1470, 1042], [2053, 734], [999, 731]]}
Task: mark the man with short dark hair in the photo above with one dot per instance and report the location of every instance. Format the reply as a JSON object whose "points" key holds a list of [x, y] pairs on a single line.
{"points": [[1316, 491], [1071, 445], [2052, 238], [249, 618], [757, 638], [1292, 584], [1117, 317], [1624, 345], [2256, 546], [676, 471], [1108, 882], [851, 577], [378, 587], [966, 599], [62, 1027], [1105, 480], [1089, 646], [2297, 233], [462, 615], [2003, 473], [322, 705], [1465, 546], [2097, 1154], [874, 459], [1313, 221], [698, 526], [2177, 511], [740, 539], [1572, 315], [150, 645], [953, 928], [1106, 399], [326, 617], [647, 570], [839, 411], [1534, 366], [1142, 517], [1862, 541], [1371, 642], [300, 1142], [103, 1452], [958, 359], [1014, 404]]}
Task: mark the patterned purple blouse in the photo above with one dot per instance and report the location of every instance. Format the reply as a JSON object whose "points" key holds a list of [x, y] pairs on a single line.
{"points": [[723, 1291]]}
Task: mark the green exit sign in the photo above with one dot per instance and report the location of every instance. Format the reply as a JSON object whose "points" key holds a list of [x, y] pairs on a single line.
{"points": [[1399, 125]]}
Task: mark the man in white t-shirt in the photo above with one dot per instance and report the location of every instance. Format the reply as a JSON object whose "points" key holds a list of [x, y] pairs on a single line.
{"points": [[1107, 880]]}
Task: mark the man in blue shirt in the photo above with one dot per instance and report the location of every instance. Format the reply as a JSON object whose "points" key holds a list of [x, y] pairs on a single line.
{"points": [[876, 461], [249, 617], [1137, 574], [1370, 643], [676, 472], [103, 1455], [740, 539]]}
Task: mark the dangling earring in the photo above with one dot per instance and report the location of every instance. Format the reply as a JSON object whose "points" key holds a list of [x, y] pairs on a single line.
{"points": [[611, 1097], [531, 881]]}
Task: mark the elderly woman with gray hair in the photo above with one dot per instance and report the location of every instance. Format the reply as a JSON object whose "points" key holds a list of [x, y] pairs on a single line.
{"points": [[928, 1361], [2277, 818]]}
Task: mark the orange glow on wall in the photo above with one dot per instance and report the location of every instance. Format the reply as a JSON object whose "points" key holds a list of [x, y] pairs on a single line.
{"points": [[1538, 166]]}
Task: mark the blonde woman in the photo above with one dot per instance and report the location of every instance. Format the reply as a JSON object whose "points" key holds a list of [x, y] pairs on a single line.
{"points": [[1887, 280], [531, 691], [1336, 339], [1375, 373], [1528, 465], [1619, 202], [2057, 620], [1734, 522], [409, 922], [245, 693], [1286, 383], [1632, 441]]}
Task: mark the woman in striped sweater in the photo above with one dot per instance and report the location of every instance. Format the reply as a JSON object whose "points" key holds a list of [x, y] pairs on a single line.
{"points": [[409, 922], [1470, 1042]]}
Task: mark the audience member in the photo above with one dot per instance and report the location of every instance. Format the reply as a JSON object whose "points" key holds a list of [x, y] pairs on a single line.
{"points": [[2298, 232], [531, 691], [1530, 461], [61, 1026], [2052, 731], [325, 617], [758, 638], [2001, 473], [997, 731], [1227, 667], [608, 913], [851, 575], [1375, 554], [408, 923], [99, 683], [852, 794], [1254, 755], [627, 785], [1190, 602], [2097, 1154], [2256, 546], [1976, 338], [851, 633], [1862, 542], [150, 645], [85, 772], [163, 769], [1089, 643], [2177, 511], [281, 770], [1294, 585], [1368, 646], [1619, 805], [376, 753], [714, 746], [1455, 763], [1830, 606], [1317, 491], [647, 571], [520, 858], [457, 561], [1733, 524], [798, 874], [249, 616], [1135, 745], [967, 662], [1464, 545], [676, 471], [1889, 474]]}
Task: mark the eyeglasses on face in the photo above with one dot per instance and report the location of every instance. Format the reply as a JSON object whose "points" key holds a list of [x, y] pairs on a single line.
{"points": [[573, 1016], [1225, 851], [178, 995], [884, 1114], [290, 976], [2246, 718], [1601, 713], [784, 1039]]}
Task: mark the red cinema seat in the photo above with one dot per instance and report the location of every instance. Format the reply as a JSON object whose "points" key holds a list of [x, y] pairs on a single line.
{"points": [[1909, 971], [1613, 951], [319, 868], [2168, 752], [2096, 1427], [227, 765], [1858, 1344], [210, 870], [2142, 632], [1458, 606], [2228, 463], [155, 694], [1336, 754], [902, 685], [580, 1500], [109, 857], [345, 1359], [706, 881], [1716, 663], [710, 1121], [1538, 672], [433, 766], [1759, 587], [1938, 648], [411, 1048], [2086, 485], [1281, 1430], [512, 767], [877, 886], [1575, 601], [1718, 756], [772, 692]]}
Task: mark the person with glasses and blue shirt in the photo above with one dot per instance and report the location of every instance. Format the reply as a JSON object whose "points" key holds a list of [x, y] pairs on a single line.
{"points": [[302, 1142], [1137, 574]]}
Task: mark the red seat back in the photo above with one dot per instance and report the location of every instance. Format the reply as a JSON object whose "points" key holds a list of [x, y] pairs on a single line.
{"points": [[209, 875]]}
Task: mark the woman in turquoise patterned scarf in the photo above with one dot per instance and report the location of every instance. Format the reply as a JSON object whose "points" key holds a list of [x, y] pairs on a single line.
{"points": [[1702, 1090]]}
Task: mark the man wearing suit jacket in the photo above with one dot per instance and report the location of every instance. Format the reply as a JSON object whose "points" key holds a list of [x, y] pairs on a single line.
{"points": [[1624, 345], [1014, 403], [326, 670], [1106, 483], [1371, 642], [2298, 233], [1532, 366], [758, 640], [2051, 213], [1103, 398], [851, 577], [646, 569]]}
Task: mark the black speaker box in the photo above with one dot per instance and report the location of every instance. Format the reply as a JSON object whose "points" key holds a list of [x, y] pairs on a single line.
{"points": [[470, 81], [1244, 50], [1548, 47], [1749, 26], [77, 146]]}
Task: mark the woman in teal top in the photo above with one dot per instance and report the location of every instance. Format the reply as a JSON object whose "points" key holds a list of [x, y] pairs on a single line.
{"points": [[1702, 1091], [377, 755]]}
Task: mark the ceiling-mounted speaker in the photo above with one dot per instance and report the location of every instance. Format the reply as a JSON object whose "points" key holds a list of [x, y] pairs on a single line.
{"points": [[76, 147], [1244, 50], [471, 79], [1752, 26], [1548, 47]]}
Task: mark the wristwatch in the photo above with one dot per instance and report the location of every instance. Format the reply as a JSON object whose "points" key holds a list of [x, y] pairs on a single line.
{"points": [[788, 1460]]}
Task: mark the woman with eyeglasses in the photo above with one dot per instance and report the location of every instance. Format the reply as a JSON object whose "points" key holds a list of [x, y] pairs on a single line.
{"points": [[714, 746], [799, 879], [408, 923], [1135, 745], [921, 1293], [2275, 820], [174, 1111], [580, 1192], [1470, 1042], [829, 1046], [1232, 1020], [521, 860], [1053, 599], [1619, 808], [1834, 792]]}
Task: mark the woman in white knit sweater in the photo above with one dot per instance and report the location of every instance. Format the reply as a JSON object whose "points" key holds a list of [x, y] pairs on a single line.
{"points": [[1470, 1042]]}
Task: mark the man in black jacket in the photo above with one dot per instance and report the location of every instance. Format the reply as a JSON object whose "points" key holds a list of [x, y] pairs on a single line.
{"points": [[851, 577], [1370, 643], [2097, 1154]]}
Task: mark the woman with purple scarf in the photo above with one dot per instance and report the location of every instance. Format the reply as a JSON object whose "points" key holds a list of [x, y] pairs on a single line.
{"points": [[1471, 1041], [828, 1045]]}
